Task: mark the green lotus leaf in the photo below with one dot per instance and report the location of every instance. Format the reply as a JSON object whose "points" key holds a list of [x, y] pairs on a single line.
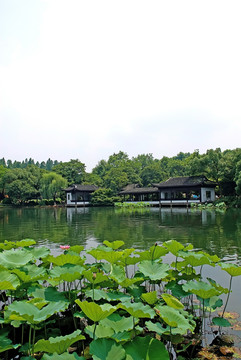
{"points": [[110, 296], [106, 349], [58, 344], [176, 318], [157, 328], [118, 323], [94, 311], [97, 253], [154, 270], [8, 281], [112, 256], [94, 278], [68, 272], [177, 289], [195, 259], [25, 243], [114, 244], [49, 294], [7, 245], [101, 331], [64, 356], [201, 289], [154, 253], [150, 297], [231, 269], [171, 301], [23, 310], [76, 248], [173, 246], [219, 321], [64, 259], [30, 273], [12, 259], [39, 252], [217, 286], [117, 273], [122, 337], [146, 348], [138, 310], [5, 342]]}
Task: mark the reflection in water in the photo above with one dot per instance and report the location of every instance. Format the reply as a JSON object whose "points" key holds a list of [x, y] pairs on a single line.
{"points": [[215, 232]]}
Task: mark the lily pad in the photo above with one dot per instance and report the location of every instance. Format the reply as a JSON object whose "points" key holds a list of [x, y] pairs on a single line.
{"points": [[154, 270], [94, 311]]}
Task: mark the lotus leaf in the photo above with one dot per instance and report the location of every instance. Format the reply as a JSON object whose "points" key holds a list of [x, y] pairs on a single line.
{"points": [[112, 256], [201, 289], [145, 348], [8, 281], [64, 259], [39, 252], [68, 272], [220, 321], [138, 310], [150, 297], [118, 323], [23, 310], [12, 259], [172, 301], [175, 318], [101, 331], [94, 278], [154, 270], [106, 349], [64, 356], [97, 253], [195, 259], [49, 294], [76, 248], [30, 273], [231, 269], [157, 328], [114, 245], [7, 245], [154, 253], [94, 311], [58, 344], [5, 342], [177, 289], [110, 296], [25, 243], [173, 246]]}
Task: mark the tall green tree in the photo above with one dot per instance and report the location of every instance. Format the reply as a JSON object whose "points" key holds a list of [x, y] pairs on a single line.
{"points": [[73, 171], [51, 185]]}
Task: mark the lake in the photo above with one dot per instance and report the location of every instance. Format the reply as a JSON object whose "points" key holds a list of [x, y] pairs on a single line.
{"points": [[213, 231]]}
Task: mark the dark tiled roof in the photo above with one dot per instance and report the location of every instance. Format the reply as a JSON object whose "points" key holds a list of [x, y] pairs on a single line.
{"points": [[185, 181], [129, 189], [87, 188]]}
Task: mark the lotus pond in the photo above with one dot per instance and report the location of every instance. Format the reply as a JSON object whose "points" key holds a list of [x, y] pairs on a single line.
{"points": [[158, 295]]}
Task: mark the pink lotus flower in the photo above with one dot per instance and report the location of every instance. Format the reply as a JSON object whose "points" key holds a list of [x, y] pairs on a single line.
{"points": [[64, 247]]}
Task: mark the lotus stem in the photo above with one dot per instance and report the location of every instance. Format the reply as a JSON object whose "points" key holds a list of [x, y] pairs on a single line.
{"points": [[229, 291]]}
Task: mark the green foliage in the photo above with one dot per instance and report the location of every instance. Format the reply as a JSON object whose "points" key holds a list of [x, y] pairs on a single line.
{"points": [[45, 297], [104, 197], [73, 171]]}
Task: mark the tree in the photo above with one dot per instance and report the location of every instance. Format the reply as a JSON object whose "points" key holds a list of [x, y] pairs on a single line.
{"points": [[22, 184], [52, 185], [73, 171]]}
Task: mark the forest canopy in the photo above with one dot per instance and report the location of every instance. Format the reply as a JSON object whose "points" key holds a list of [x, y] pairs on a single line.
{"points": [[25, 181]]}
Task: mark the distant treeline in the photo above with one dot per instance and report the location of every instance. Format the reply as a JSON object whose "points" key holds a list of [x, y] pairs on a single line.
{"points": [[23, 181]]}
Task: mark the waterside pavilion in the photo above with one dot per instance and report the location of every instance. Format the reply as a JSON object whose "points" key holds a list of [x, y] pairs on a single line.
{"points": [[178, 191], [79, 195]]}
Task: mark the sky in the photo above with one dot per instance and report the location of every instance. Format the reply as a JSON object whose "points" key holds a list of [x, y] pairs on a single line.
{"points": [[86, 79]]}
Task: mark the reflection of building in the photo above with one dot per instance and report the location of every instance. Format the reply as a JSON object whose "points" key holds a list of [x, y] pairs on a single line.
{"points": [[79, 195], [71, 212], [175, 191]]}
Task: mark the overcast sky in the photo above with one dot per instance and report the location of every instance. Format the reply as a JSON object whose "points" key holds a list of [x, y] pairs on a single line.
{"points": [[84, 79]]}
